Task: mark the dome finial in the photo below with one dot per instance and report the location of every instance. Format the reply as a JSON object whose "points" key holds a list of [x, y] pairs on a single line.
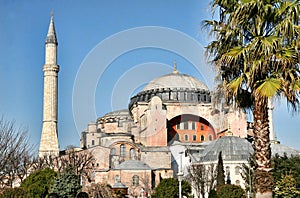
{"points": [[175, 68]]}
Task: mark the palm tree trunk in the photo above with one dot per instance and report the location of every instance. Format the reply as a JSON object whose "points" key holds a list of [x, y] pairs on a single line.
{"points": [[262, 151]]}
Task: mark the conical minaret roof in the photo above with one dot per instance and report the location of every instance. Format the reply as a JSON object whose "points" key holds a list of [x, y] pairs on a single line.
{"points": [[51, 35]]}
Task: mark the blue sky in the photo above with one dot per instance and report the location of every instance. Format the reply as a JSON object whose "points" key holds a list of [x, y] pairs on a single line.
{"points": [[93, 31]]}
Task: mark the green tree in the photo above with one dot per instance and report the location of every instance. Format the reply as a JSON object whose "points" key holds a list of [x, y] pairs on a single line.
{"points": [[286, 187], [100, 190], [168, 188], [248, 175], [231, 191], [220, 172], [256, 52], [67, 185], [283, 165], [14, 193], [38, 183]]}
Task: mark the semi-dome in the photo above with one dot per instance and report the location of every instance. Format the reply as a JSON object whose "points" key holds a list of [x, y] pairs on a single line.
{"points": [[175, 80]]}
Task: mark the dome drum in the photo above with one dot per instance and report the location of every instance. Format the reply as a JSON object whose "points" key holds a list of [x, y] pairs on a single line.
{"points": [[173, 95]]}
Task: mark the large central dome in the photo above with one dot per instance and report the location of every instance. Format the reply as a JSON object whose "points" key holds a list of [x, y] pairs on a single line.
{"points": [[174, 88], [175, 80]]}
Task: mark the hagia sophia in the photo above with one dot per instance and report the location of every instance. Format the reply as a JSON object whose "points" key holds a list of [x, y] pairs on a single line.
{"points": [[169, 125]]}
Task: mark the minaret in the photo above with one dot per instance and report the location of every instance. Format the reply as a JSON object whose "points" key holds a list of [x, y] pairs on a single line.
{"points": [[49, 139], [273, 138]]}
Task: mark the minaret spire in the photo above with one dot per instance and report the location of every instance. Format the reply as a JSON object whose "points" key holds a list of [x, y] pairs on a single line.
{"points": [[49, 138], [51, 35]]}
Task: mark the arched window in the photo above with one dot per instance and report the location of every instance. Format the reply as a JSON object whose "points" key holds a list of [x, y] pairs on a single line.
{"points": [[227, 172], [228, 178], [135, 180], [237, 170], [210, 137], [202, 127], [202, 137], [194, 137], [123, 150], [193, 125], [117, 178], [186, 137], [237, 182], [93, 142], [132, 153], [186, 125], [113, 151]]}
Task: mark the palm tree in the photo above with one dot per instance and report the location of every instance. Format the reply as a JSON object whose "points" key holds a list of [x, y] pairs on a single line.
{"points": [[256, 51]]}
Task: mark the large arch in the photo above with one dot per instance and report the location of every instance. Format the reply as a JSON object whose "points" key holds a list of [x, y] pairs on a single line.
{"points": [[190, 128]]}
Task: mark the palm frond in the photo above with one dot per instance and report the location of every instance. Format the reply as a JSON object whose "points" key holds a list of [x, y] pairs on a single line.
{"points": [[268, 87]]}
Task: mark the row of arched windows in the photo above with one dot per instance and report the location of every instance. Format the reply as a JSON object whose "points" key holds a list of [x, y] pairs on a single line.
{"points": [[135, 179], [187, 125], [194, 137], [237, 170], [123, 152]]}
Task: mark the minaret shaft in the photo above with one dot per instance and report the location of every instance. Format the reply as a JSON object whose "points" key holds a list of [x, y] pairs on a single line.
{"points": [[273, 138], [49, 138]]}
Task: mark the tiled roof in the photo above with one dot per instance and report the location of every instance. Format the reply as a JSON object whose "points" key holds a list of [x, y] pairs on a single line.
{"points": [[133, 165]]}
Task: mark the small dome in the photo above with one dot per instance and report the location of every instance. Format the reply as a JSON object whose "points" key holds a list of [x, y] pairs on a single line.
{"points": [[133, 165], [175, 80], [233, 149], [115, 116], [281, 150]]}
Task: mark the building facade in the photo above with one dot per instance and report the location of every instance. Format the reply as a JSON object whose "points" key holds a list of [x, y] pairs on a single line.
{"points": [[171, 114]]}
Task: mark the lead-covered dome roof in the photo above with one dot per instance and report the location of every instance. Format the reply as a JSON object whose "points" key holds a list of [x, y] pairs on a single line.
{"points": [[116, 116], [233, 149], [175, 80], [174, 87]]}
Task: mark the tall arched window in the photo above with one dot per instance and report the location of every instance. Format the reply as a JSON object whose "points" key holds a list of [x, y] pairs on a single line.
{"points": [[202, 137], [132, 154], [202, 127], [193, 125], [135, 180], [122, 150], [117, 178], [210, 137], [186, 137], [194, 137], [228, 178], [186, 125], [227, 170]]}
